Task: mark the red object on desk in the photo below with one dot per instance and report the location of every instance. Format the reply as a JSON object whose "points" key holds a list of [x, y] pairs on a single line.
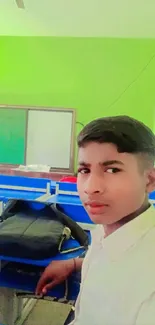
{"points": [[69, 179]]}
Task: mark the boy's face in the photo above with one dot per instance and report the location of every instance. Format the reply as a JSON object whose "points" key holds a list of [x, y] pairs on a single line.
{"points": [[111, 185]]}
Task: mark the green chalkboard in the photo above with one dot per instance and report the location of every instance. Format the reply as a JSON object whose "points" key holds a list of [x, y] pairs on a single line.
{"points": [[12, 135]]}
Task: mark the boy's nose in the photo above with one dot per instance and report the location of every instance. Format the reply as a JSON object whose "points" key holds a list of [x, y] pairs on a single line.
{"points": [[94, 185]]}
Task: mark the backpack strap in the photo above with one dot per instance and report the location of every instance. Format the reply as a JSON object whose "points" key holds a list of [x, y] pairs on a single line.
{"points": [[7, 212], [77, 232]]}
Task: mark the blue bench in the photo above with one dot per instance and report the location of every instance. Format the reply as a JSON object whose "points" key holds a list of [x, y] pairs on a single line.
{"points": [[13, 187]]}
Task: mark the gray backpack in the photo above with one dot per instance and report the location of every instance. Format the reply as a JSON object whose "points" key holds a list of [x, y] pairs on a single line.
{"points": [[37, 231]]}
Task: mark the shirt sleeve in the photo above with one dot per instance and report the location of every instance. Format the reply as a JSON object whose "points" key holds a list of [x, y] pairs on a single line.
{"points": [[146, 314]]}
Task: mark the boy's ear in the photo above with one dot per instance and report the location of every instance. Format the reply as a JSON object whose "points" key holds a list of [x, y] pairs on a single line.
{"points": [[150, 185]]}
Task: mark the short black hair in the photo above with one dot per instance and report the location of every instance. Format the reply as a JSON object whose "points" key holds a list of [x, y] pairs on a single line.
{"points": [[128, 134]]}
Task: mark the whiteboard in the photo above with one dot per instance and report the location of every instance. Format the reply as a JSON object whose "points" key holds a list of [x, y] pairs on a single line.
{"points": [[50, 138]]}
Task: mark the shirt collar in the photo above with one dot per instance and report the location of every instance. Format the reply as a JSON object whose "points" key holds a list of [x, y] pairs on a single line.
{"points": [[128, 235]]}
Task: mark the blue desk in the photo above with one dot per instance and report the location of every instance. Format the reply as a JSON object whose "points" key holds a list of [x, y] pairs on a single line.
{"points": [[28, 188], [27, 283], [68, 245], [11, 282], [6, 195], [18, 187], [53, 186]]}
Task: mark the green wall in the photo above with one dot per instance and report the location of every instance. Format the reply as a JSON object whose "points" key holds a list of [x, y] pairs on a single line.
{"points": [[96, 76]]}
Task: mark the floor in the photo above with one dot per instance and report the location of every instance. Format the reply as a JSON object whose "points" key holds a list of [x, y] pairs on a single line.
{"points": [[48, 313]]}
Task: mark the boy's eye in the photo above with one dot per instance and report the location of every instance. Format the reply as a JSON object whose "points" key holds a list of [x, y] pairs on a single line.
{"points": [[113, 170], [83, 170]]}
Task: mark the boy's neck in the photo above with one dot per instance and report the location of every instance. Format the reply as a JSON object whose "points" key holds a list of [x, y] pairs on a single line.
{"points": [[109, 229]]}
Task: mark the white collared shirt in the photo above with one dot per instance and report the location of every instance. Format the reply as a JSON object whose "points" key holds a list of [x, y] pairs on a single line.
{"points": [[118, 276]]}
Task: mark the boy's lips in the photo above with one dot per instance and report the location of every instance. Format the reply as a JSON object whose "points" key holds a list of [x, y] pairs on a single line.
{"points": [[95, 207]]}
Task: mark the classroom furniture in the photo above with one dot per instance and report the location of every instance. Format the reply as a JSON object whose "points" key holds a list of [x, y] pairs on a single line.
{"points": [[15, 287], [13, 187]]}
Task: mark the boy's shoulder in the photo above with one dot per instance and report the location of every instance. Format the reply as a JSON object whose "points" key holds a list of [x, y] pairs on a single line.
{"points": [[139, 231]]}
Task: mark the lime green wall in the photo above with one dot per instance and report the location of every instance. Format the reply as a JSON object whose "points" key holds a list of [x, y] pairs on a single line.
{"points": [[90, 74]]}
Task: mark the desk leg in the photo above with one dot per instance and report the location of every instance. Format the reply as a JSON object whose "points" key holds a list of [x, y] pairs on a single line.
{"points": [[19, 308], [26, 310], [14, 310], [8, 306]]}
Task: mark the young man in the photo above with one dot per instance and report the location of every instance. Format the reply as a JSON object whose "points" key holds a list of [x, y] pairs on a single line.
{"points": [[115, 175]]}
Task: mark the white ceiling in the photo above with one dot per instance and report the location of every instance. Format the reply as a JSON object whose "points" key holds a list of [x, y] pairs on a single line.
{"points": [[97, 18]]}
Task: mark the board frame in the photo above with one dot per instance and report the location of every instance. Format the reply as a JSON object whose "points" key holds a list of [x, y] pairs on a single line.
{"points": [[69, 170]]}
